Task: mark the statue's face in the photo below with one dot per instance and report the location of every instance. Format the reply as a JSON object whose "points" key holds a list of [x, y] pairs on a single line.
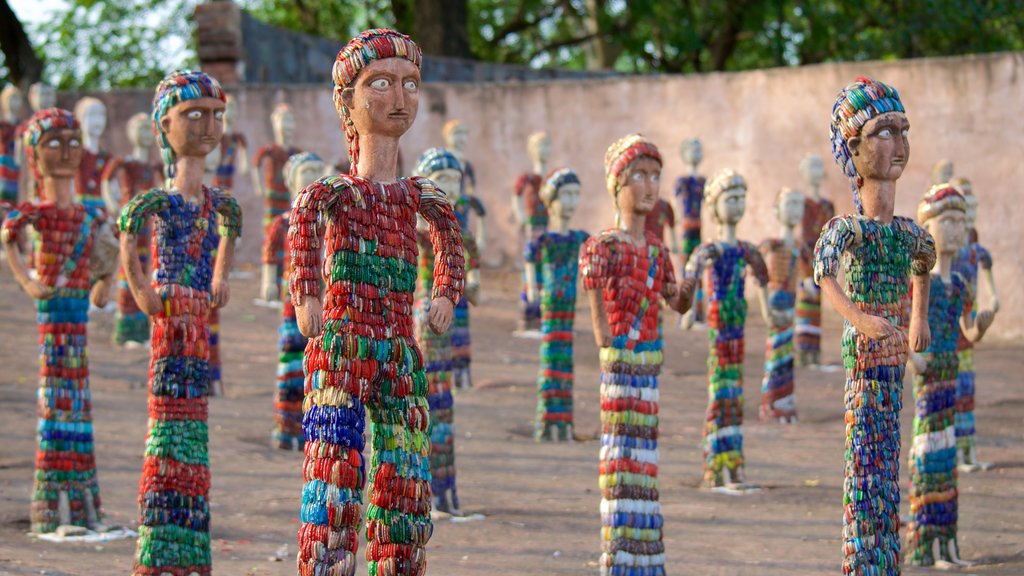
{"points": [[12, 102], [731, 205], [566, 201], [791, 209], [385, 97], [450, 181], [813, 169], [143, 135], [58, 153], [94, 119], [307, 173], [284, 127], [942, 172], [692, 151], [541, 149], [949, 230], [42, 96], [194, 127], [457, 138], [882, 149], [638, 192]]}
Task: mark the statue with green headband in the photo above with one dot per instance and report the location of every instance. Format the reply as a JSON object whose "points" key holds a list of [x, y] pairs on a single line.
{"points": [[362, 359], [879, 253], [189, 221]]}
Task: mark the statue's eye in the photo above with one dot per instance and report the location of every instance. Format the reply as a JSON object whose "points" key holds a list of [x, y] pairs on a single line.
{"points": [[381, 84], [219, 115], [411, 85], [194, 114], [53, 144], [74, 143]]}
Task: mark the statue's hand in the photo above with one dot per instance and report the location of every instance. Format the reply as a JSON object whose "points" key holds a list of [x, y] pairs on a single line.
{"points": [[38, 290], [220, 292], [440, 316], [100, 293], [309, 316]]}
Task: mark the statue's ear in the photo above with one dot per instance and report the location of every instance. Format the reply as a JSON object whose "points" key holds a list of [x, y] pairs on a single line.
{"points": [[348, 96], [853, 145]]}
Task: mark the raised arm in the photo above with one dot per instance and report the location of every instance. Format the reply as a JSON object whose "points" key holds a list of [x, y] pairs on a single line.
{"points": [[230, 227], [10, 236], [306, 225], [133, 218], [593, 270], [449, 257]]}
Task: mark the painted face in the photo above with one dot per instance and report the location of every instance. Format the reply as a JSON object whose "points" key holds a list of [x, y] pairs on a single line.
{"points": [[731, 205], [385, 98], [307, 173], [791, 209], [42, 96], [638, 191], [949, 230], [58, 153], [692, 151], [541, 150], [882, 150], [94, 119], [564, 204], [450, 181], [284, 127], [194, 127], [813, 170], [143, 135], [457, 138]]}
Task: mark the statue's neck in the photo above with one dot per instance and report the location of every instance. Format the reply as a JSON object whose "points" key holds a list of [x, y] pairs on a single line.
{"points": [[378, 158], [878, 198], [58, 191], [727, 234], [188, 177]]}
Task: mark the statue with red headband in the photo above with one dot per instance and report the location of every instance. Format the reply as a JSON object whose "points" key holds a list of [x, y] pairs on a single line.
{"points": [[362, 359]]}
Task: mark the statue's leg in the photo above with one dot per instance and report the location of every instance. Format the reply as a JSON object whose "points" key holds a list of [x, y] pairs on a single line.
{"points": [[398, 522]]}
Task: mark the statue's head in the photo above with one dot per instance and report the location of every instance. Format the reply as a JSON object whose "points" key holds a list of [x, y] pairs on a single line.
{"points": [[140, 130], [869, 134], [301, 170], [632, 172], [943, 212], [376, 86], [443, 169], [726, 196], [560, 193], [455, 135], [188, 116], [539, 147], [53, 144], [92, 114], [282, 121]]}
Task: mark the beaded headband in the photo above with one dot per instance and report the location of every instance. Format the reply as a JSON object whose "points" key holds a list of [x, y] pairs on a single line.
{"points": [[939, 199], [435, 159], [368, 46], [727, 179], [854, 106], [174, 89], [622, 153], [964, 186], [40, 123], [554, 182], [296, 161]]}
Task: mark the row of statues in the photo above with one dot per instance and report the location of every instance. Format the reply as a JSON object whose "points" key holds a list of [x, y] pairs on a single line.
{"points": [[372, 267]]}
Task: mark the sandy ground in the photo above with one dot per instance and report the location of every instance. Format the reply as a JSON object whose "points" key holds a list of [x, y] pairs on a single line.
{"points": [[540, 501]]}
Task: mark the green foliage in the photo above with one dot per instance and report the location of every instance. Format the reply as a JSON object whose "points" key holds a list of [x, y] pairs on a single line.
{"points": [[116, 43], [337, 19]]}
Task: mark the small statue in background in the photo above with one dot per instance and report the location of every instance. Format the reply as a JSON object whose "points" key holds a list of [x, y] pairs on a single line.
{"points": [[532, 218], [124, 178], [268, 183], [11, 103], [817, 212], [942, 172], [554, 257], [92, 114], [233, 151], [781, 256], [727, 261], [690, 195]]}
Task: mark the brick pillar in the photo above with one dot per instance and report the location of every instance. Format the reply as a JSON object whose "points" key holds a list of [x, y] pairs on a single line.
{"points": [[219, 39]]}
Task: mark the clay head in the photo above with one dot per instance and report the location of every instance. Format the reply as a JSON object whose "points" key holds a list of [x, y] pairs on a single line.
{"points": [[692, 152], [812, 168], [943, 212], [789, 206], [282, 121], [230, 110], [376, 86], [442, 168], [726, 194], [560, 193], [92, 114], [964, 186], [632, 172], [41, 96], [188, 116], [301, 170], [868, 133], [942, 172], [539, 147], [53, 144], [140, 130], [10, 102], [455, 135]]}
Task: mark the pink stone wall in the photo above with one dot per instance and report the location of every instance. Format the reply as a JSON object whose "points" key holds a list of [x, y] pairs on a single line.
{"points": [[761, 123]]}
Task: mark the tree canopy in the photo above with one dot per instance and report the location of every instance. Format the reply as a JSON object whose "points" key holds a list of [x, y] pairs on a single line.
{"points": [[112, 43]]}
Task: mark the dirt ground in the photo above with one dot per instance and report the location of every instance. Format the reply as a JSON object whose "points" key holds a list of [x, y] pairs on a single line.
{"points": [[540, 502]]}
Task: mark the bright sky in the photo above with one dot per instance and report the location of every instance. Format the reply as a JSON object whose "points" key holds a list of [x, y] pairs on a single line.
{"points": [[35, 11]]}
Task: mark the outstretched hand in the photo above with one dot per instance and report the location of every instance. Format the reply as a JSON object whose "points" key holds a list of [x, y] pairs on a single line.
{"points": [[309, 316], [440, 316], [100, 293], [38, 291]]}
